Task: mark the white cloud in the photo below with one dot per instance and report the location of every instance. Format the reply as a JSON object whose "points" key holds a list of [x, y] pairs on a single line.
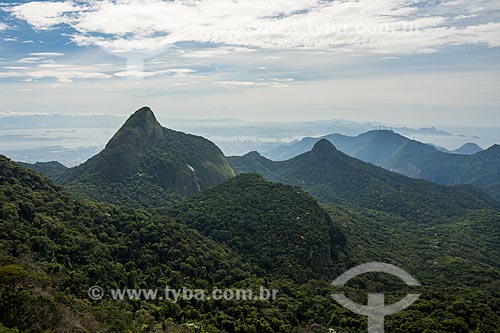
{"points": [[3, 26], [286, 79], [16, 67], [16, 39], [60, 72], [250, 84], [185, 84], [177, 72], [44, 65], [47, 54], [45, 15], [380, 26], [214, 52], [40, 57], [30, 60]]}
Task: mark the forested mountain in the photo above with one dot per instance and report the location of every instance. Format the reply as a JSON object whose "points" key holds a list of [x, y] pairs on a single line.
{"points": [[52, 170], [64, 244], [237, 232], [53, 246], [147, 165], [456, 260], [436, 252], [373, 146], [278, 227], [412, 158], [333, 177]]}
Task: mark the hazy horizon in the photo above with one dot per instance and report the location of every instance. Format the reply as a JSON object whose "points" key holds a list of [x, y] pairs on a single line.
{"points": [[292, 65], [73, 138], [402, 62]]}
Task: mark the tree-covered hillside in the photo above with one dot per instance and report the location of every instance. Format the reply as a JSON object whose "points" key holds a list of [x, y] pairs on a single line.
{"points": [[333, 177], [466, 165], [71, 244], [278, 227], [146, 165], [54, 245], [51, 170]]}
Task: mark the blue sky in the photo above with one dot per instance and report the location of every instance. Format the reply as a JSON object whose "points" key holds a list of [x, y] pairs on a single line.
{"points": [[405, 62]]}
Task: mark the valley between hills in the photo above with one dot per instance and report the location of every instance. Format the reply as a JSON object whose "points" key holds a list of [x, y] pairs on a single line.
{"points": [[160, 207]]}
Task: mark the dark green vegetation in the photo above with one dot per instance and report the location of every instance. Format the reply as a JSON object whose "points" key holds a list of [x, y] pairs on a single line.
{"points": [[245, 232], [54, 246], [64, 244], [456, 260], [51, 170], [146, 165], [412, 158], [333, 177], [296, 238], [461, 251]]}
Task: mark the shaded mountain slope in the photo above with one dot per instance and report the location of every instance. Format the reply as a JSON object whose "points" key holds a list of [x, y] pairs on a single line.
{"points": [[460, 251], [81, 244], [373, 146], [331, 176], [468, 149], [412, 158], [54, 245], [278, 227], [145, 164], [52, 170]]}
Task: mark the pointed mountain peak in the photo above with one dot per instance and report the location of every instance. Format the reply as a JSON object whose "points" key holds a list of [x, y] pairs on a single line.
{"points": [[139, 129], [495, 148], [143, 118], [145, 111], [323, 148]]}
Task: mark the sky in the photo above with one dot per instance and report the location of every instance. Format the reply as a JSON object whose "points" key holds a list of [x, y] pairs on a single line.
{"points": [[434, 62]]}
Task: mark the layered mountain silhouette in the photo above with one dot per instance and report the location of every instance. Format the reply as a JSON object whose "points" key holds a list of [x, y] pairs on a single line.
{"points": [[243, 233], [397, 153], [333, 177], [56, 245], [145, 164]]}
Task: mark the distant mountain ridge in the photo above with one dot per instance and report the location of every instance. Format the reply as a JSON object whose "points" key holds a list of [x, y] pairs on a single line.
{"points": [[350, 144], [246, 233], [145, 164], [333, 177], [397, 153]]}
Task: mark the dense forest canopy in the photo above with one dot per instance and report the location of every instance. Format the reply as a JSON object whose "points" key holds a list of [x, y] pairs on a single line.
{"points": [[237, 231]]}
